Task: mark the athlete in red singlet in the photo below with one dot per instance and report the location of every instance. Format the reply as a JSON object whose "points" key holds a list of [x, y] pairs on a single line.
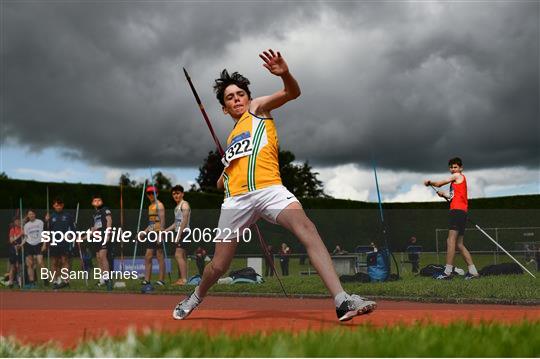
{"points": [[457, 218], [458, 194]]}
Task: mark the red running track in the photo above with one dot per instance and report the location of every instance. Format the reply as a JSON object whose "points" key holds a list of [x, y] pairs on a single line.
{"points": [[38, 317]]}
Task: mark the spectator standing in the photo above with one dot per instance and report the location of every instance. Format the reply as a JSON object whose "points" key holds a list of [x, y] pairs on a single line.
{"points": [[268, 265], [60, 221], [200, 255], [414, 257], [284, 253], [33, 248], [15, 260], [338, 251]]}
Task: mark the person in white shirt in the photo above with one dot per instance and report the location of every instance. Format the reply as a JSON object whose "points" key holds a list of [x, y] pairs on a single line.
{"points": [[182, 213], [33, 247]]}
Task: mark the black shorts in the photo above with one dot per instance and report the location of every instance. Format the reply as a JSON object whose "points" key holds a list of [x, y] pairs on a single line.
{"points": [[152, 245], [100, 245], [109, 250], [180, 244], [14, 257], [457, 220], [59, 250], [32, 250]]}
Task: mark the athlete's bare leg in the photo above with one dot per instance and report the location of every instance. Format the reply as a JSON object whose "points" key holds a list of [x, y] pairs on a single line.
{"points": [[180, 255], [64, 260], [12, 269], [295, 220], [18, 273], [30, 267], [40, 263], [55, 266], [223, 256], [464, 251], [148, 264], [103, 262], [161, 261], [451, 246]]}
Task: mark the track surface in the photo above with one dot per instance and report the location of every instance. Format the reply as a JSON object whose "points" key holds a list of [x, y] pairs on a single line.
{"points": [[70, 317]]}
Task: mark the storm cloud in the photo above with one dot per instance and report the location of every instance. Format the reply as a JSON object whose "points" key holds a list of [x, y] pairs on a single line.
{"points": [[410, 84]]}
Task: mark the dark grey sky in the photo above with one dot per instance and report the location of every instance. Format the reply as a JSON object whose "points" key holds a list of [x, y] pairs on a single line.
{"points": [[410, 82]]}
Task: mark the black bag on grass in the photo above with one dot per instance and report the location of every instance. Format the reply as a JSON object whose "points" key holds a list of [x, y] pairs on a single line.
{"points": [[358, 277], [431, 269], [247, 274], [500, 269]]}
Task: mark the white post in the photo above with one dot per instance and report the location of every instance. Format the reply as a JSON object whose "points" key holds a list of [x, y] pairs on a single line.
{"points": [[496, 253], [437, 244]]}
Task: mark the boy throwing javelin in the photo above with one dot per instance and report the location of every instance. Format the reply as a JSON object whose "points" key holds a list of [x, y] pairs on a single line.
{"points": [[457, 218], [253, 187]]}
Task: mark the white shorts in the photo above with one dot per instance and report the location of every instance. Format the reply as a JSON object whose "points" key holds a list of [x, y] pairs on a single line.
{"points": [[242, 211]]}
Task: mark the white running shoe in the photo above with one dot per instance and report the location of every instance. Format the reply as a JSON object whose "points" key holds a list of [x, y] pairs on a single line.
{"points": [[185, 307], [354, 305]]}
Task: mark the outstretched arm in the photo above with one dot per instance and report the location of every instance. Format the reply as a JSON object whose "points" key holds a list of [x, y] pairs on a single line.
{"points": [[441, 183], [275, 63]]}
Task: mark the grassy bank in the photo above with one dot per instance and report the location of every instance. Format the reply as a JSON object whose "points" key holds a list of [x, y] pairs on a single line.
{"points": [[454, 340]]}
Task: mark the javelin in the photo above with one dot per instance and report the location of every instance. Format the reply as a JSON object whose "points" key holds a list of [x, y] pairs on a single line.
{"points": [[121, 226], [23, 264], [494, 241], [221, 152], [138, 226], [83, 266], [48, 248], [384, 224]]}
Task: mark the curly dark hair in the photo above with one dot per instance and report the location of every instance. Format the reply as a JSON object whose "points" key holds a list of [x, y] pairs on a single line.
{"points": [[455, 161], [225, 80]]}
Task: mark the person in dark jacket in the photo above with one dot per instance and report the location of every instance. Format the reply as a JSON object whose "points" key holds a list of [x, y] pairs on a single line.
{"points": [[284, 253], [200, 255], [414, 257], [268, 265]]}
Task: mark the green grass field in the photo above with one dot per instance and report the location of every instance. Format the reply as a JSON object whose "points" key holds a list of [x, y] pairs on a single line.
{"points": [[521, 289], [454, 340]]}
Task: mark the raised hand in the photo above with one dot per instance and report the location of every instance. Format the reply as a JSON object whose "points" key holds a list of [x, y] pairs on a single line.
{"points": [[275, 63]]}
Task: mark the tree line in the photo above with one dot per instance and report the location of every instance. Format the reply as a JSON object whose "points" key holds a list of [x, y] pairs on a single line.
{"points": [[299, 178]]}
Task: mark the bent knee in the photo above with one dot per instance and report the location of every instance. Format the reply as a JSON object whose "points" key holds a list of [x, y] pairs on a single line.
{"points": [[219, 268]]}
